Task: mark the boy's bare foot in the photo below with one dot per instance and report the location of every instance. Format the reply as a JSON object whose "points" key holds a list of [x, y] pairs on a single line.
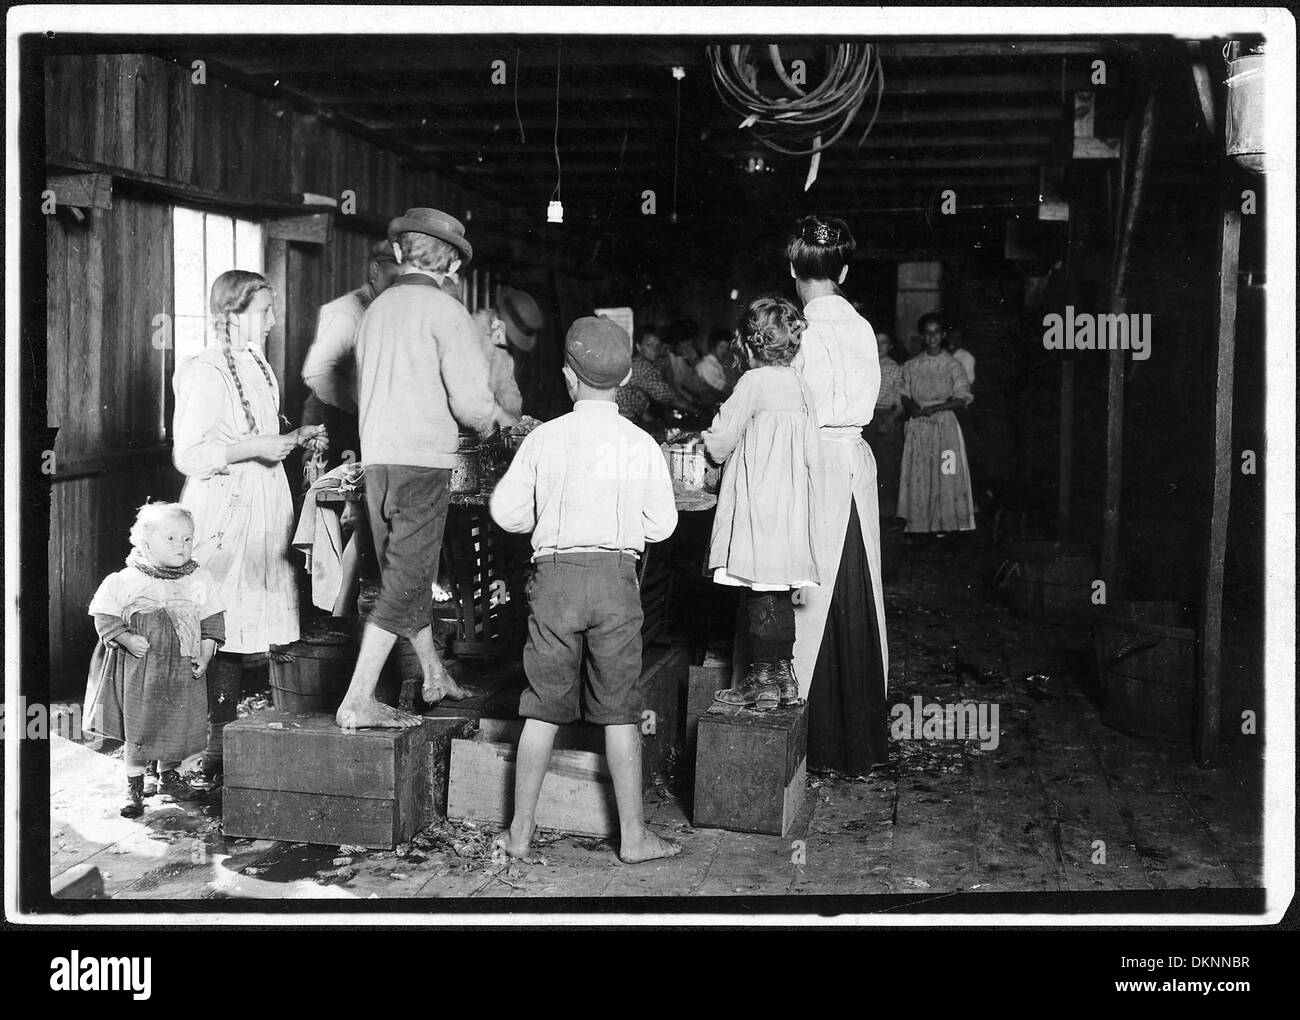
{"points": [[443, 685], [511, 844], [647, 847], [373, 714]]}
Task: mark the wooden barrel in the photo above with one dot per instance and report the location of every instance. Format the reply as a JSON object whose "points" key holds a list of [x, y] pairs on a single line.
{"points": [[1052, 581], [314, 680], [1146, 662]]}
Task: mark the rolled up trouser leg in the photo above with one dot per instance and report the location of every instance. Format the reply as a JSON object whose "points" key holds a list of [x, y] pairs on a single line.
{"points": [[225, 674]]}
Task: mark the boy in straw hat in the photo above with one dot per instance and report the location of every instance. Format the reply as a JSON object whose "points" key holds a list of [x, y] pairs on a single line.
{"points": [[593, 489], [421, 374]]}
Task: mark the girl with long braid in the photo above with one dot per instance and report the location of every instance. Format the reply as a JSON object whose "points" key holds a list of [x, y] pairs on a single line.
{"points": [[227, 442]]}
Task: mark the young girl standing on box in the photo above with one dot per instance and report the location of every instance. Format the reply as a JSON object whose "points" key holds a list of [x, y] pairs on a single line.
{"points": [[766, 435], [159, 623]]}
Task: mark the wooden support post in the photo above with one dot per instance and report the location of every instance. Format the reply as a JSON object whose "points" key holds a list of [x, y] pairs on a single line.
{"points": [[277, 275], [1115, 365], [1207, 717], [1066, 473]]}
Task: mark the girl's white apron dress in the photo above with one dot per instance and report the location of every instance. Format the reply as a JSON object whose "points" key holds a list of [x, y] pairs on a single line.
{"points": [[243, 513]]}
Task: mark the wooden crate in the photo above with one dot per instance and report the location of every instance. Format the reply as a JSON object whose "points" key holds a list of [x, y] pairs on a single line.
{"points": [[703, 682], [577, 794], [301, 779], [663, 682], [663, 734], [750, 769], [487, 569]]}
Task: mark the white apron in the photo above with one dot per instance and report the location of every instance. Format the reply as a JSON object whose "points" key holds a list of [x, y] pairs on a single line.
{"points": [[850, 473]]}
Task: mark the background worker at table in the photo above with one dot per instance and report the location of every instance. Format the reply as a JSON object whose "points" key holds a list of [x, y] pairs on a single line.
{"points": [[330, 366], [421, 376], [512, 324], [593, 489]]}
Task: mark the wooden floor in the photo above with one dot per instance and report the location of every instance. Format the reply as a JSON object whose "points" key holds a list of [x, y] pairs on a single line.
{"points": [[1062, 804]]}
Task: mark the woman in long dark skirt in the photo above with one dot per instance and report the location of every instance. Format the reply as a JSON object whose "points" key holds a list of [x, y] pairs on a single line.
{"points": [[840, 654]]}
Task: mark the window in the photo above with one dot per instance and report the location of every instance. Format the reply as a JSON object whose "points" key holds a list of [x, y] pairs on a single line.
{"points": [[204, 246]]}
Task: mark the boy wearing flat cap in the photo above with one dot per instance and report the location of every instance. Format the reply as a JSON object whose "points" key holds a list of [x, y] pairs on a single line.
{"points": [[593, 489], [421, 375]]}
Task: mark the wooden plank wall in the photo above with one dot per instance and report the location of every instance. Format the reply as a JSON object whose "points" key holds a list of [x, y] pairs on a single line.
{"points": [[110, 275]]}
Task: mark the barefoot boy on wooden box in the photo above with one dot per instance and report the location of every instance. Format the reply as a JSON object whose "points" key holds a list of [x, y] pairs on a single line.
{"points": [[593, 489]]}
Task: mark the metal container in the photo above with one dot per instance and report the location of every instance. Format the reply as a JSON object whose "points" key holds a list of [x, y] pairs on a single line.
{"points": [[1244, 124], [467, 473]]}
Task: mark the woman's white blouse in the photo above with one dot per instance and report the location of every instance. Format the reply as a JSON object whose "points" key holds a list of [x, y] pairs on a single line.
{"points": [[839, 360]]}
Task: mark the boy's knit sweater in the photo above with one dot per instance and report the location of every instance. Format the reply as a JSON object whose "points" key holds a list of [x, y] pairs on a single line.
{"points": [[420, 371]]}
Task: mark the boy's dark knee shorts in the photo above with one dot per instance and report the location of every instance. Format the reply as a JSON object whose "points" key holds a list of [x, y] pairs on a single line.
{"points": [[576, 597], [408, 514]]}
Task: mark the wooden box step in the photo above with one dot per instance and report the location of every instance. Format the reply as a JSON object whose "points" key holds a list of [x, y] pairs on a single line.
{"points": [[703, 682], [750, 769], [577, 794], [664, 670], [301, 779]]}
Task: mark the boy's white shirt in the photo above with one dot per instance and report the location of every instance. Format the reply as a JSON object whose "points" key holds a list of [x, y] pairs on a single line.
{"points": [[589, 480]]}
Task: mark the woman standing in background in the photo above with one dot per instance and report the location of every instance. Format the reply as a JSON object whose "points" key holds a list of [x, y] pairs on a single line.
{"points": [[227, 443], [934, 491]]}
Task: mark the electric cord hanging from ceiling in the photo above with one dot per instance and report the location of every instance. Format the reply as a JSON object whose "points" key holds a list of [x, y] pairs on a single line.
{"points": [[613, 200], [799, 126], [677, 137], [555, 140], [518, 119]]}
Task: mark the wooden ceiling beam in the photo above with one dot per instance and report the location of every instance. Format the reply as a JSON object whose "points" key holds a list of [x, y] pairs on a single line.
{"points": [[500, 98], [610, 139], [891, 113]]}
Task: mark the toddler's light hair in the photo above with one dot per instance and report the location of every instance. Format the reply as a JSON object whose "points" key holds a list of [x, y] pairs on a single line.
{"points": [[151, 515]]}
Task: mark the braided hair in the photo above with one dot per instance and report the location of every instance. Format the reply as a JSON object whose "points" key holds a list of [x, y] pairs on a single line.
{"points": [[233, 291], [772, 330]]}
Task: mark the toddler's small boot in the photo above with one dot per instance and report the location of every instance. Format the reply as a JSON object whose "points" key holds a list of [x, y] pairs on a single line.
{"points": [[787, 682], [758, 691], [151, 779], [134, 804], [171, 784]]}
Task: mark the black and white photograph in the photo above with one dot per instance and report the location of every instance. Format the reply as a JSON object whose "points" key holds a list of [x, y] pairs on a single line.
{"points": [[744, 466]]}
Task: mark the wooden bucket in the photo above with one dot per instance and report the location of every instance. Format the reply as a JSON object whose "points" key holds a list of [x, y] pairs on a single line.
{"points": [[314, 680], [1052, 581], [1146, 662]]}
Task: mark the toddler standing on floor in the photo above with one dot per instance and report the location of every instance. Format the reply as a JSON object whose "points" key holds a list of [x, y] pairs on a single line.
{"points": [[159, 623], [766, 437]]}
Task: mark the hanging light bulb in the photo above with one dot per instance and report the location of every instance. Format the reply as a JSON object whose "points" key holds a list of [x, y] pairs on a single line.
{"points": [[555, 211]]}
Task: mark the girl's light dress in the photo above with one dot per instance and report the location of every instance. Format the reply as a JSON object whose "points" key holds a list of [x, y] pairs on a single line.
{"points": [[766, 433]]}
